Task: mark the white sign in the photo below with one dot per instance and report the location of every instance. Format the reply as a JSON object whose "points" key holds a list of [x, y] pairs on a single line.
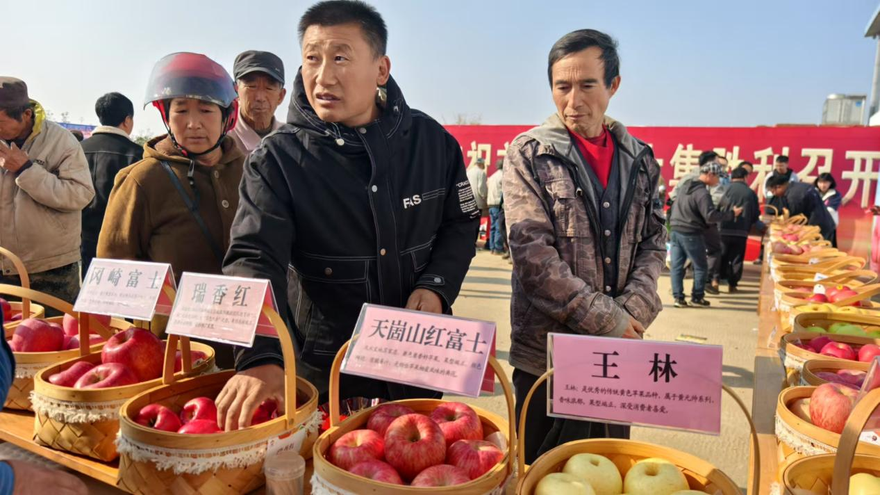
{"points": [[126, 289]]}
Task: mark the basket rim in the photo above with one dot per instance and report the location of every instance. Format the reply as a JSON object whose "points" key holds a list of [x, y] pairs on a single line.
{"points": [[277, 426], [808, 372], [324, 466], [42, 386]]}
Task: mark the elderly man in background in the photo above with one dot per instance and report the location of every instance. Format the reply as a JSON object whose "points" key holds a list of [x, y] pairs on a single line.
{"points": [[44, 186], [259, 77]]}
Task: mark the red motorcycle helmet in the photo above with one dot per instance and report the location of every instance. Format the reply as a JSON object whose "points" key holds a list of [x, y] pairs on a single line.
{"points": [[195, 76]]}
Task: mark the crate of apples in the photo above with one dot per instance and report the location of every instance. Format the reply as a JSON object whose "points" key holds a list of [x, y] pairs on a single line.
{"points": [[397, 445]]}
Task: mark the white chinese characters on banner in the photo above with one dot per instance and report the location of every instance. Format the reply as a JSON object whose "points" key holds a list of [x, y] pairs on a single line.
{"points": [[860, 177]]}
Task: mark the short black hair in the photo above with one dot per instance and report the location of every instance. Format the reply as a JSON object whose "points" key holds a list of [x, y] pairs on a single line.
{"points": [[338, 12], [707, 156], [826, 177], [580, 40], [746, 162], [739, 173], [781, 159], [77, 134], [15, 112], [777, 180], [113, 109]]}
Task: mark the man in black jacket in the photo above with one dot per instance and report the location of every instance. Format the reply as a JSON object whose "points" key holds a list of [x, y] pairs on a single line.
{"points": [[108, 151], [803, 198], [735, 233], [692, 214], [364, 198]]}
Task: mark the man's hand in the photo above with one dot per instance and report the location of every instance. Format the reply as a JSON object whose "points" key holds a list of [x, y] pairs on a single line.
{"points": [[31, 479], [425, 300], [12, 158], [244, 392], [635, 330], [737, 211]]}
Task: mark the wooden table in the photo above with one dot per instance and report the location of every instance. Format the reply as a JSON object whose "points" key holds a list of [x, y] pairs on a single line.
{"points": [[18, 429], [769, 376]]}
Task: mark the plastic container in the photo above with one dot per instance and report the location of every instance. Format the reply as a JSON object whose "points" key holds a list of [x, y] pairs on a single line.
{"points": [[284, 473]]}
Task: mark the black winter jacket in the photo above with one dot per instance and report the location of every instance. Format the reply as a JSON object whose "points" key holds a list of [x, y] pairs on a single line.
{"points": [[804, 198], [362, 215], [740, 194], [693, 211], [107, 154]]}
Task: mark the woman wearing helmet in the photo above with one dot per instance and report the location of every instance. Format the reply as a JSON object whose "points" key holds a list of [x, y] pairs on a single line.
{"points": [[176, 205]]}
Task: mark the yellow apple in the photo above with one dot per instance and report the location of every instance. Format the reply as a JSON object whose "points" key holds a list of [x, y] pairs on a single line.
{"points": [[596, 470], [654, 477], [864, 484], [563, 484], [801, 409]]}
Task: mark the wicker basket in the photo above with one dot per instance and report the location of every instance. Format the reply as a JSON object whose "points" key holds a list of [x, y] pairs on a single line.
{"points": [[828, 267], [830, 473], [28, 364], [158, 462], [853, 279], [25, 306], [813, 366], [700, 474], [330, 479], [790, 306], [798, 438], [806, 320], [86, 421], [793, 357]]}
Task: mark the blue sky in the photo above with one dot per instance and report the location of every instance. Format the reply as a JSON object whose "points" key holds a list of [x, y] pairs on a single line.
{"points": [[684, 63]]}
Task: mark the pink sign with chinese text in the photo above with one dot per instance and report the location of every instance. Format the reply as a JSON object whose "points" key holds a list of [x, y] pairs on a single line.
{"points": [[221, 309], [427, 350], [127, 289], [666, 384]]}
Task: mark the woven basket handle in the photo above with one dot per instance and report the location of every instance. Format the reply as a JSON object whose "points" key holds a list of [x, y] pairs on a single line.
{"points": [[864, 292], [756, 453], [25, 280], [847, 276], [849, 440], [496, 367]]}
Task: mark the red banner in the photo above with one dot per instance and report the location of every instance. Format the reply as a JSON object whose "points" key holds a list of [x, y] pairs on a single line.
{"points": [[850, 154]]}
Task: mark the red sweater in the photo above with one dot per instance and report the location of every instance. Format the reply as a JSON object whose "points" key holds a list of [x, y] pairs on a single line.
{"points": [[599, 153]]}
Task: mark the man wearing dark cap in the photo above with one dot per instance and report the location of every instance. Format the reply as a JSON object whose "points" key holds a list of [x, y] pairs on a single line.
{"points": [[44, 185], [260, 80], [693, 213]]}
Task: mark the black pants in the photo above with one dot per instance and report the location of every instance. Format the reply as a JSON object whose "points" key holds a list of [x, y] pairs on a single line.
{"points": [[544, 433], [62, 282], [733, 255], [712, 237]]}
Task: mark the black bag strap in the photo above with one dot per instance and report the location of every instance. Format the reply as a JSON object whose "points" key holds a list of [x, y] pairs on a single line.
{"points": [[193, 207]]}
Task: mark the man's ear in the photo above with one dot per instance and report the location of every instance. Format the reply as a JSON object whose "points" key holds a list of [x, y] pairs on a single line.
{"points": [[384, 70]]}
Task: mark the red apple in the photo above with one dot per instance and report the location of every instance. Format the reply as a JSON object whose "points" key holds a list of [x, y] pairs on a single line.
{"points": [[71, 325], [868, 352], [831, 405], [95, 339], [35, 335], [476, 457], [819, 342], [796, 250], [355, 447], [159, 417], [16, 317], [198, 408], [377, 471], [265, 412], [458, 422], [441, 475], [13, 345], [68, 377], [839, 350], [832, 291], [6, 308], [843, 294], [818, 298], [200, 427], [196, 356], [138, 349], [71, 343], [384, 415], [414, 442], [107, 375]]}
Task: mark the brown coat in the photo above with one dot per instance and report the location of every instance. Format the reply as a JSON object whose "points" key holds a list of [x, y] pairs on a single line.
{"points": [[147, 220], [558, 280]]}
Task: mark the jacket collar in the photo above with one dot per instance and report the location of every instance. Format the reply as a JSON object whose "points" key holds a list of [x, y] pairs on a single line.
{"points": [[161, 148], [39, 119], [109, 129], [395, 116], [555, 134]]}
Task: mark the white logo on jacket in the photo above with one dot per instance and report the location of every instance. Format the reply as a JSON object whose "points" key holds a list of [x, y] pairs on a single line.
{"points": [[420, 198]]}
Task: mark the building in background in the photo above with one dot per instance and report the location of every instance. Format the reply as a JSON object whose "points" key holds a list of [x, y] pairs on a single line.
{"points": [[844, 110], [873, 31]]}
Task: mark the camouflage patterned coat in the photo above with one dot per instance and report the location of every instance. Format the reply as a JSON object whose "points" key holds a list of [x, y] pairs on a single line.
{"points": [[558, 281]]}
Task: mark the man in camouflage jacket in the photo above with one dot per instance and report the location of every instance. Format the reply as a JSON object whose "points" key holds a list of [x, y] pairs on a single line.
{"points": [[587, 242]]}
